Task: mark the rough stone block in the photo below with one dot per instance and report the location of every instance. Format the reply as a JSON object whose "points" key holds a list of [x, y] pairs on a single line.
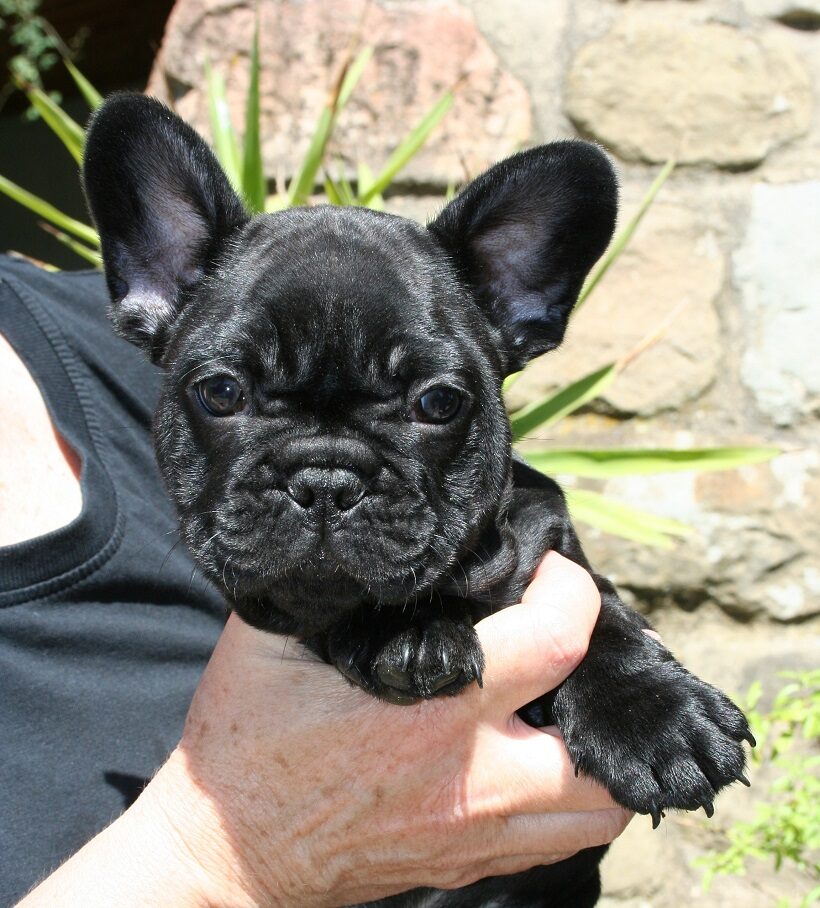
{"points": [[673, 265], [777, 270], [757, 559], [654, 88], [531, 39], [421, 49]]}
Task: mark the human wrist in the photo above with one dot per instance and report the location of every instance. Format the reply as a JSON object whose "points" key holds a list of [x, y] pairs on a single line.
{"points": [[221, 827], [165, 851], [189, 839]]}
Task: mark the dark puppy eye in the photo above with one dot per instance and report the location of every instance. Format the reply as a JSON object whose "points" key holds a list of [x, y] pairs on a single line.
{"points": [[221, 395], [439, 404]]}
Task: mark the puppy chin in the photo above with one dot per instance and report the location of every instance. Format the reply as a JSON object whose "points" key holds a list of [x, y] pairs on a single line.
{"points": [[314, 596]]}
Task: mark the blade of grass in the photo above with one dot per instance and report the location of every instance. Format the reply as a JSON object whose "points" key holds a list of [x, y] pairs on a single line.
{"points": [[341, 189], [351, 77], [92, 97], [364, 179], [67, 130], [49, 212], [510, 380], [408, 148], [332, 191], [645, 343], [623, 237], [623, 520], [226, 145], [605, 464], [348, 195], [253, 176], [302, 184], [543, 413], [376, 203], [78, 248]]}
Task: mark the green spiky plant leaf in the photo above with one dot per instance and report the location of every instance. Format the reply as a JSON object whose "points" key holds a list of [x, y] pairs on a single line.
{"points": [[92, 97], [79, 248], [253, 175], [611, 516], [47, 211], [407, 149], [67, 130], [303, 184], [624, 236], [225, 142], [541, 414], [613, 462]]}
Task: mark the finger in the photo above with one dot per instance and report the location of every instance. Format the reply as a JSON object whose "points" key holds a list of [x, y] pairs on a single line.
{"points": [[653, 634], [549, 834], [505, 866], [516, 843], [532, 772], [516, 864], [531, 647]]}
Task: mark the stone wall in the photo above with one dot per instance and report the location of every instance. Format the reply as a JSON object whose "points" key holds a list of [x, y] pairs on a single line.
{"points": [[731, 89]]}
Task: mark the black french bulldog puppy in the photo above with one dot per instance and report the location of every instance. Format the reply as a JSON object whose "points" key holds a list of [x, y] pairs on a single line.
{"points": [[333, 435]]}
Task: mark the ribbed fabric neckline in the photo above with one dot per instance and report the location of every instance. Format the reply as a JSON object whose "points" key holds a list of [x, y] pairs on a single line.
{"points": [[41, 566]]}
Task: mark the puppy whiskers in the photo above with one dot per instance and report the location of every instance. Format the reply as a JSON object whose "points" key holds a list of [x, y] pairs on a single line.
{"points": [[167, 556]]}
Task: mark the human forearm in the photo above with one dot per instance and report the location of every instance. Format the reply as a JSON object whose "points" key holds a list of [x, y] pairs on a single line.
{"points": [[158, 853]]}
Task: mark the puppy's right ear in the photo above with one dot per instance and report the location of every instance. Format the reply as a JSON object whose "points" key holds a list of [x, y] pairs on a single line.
{"points": [[163, 207]]}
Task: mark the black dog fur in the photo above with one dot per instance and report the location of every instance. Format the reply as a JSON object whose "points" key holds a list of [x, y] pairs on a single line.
{"points": [[332, 432]]}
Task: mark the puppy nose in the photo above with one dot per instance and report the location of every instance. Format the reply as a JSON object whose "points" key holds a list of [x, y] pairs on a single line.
{"points": [[326, 488]]}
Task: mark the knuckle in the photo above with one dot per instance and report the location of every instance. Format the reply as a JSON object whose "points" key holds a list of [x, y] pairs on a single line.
{"points": [[568, 645], [569, 649], [570, 637], [584, 585]]}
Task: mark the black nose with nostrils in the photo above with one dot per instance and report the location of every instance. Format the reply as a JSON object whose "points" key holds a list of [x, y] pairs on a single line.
{"points": [[326, 489]]}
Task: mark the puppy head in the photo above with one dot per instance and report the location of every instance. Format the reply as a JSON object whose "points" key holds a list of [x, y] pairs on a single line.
{"points": [[331, 426]]}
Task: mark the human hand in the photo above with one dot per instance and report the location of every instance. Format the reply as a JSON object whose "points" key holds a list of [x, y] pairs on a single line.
{"points": [[292, 788]]}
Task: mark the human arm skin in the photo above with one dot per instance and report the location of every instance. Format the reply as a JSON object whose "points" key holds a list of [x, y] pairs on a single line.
{"points": [[292, 788]]}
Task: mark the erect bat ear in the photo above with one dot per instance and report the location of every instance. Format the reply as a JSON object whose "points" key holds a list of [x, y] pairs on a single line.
{"points": [[163, 207], [525, 234]]}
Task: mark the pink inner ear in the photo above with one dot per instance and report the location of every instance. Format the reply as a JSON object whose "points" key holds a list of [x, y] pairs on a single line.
{"points": [[164, 263], [510, 246], [510, 260]]}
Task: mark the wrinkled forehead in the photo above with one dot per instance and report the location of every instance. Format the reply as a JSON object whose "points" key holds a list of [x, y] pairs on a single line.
{"points": [[328, 236], [342, 285]]}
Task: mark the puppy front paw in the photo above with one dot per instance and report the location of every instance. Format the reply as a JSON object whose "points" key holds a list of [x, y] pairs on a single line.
{"points": [[656, 739], [437, 658]]}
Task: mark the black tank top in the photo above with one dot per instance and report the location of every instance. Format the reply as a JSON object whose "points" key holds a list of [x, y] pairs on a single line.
{"points": [[105, 624]]}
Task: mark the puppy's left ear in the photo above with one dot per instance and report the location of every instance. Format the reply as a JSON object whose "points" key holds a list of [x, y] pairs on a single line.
{"points": [[525, 234], [163, 207]]}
